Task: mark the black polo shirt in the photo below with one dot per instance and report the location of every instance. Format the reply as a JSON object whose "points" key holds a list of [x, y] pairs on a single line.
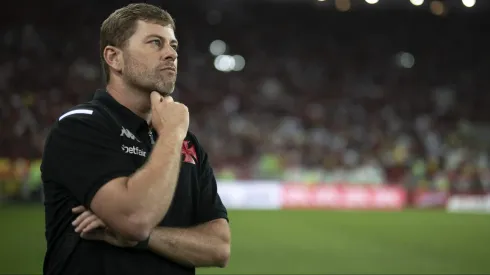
{"points": [[88, 146]]}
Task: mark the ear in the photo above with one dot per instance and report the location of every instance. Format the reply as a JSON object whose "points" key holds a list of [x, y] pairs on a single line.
{"points": [[113, 58]]}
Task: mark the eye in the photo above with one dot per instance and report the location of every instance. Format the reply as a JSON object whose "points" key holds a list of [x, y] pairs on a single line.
{"points": [[156, 42], [175, 47]]}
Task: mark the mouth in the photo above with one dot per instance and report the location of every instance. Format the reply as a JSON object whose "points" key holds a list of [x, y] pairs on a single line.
{"points": [[172, 69]]}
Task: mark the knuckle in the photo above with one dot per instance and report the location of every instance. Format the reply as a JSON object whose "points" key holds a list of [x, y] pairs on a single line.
{"points": [[184, 108]]}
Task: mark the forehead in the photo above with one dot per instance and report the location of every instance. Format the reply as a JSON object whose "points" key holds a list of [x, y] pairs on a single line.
{"points": [[145, 29]]}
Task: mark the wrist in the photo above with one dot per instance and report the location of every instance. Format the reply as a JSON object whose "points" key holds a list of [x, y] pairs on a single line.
{"points": [[171, 137]]}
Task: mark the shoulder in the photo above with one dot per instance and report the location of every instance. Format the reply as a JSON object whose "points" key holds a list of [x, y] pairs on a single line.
{"points": [[85, 115], [192, 144], [191, 140], [85, 122]]}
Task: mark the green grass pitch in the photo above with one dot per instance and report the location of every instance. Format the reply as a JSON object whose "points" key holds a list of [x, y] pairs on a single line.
{"points": [[306, 242]]}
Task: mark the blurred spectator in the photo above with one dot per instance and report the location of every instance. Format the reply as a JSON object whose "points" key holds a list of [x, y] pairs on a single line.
{"points": [[327, 97]]}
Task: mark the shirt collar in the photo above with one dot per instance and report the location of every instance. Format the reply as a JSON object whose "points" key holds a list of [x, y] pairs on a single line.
{"points": [[126, 116]]}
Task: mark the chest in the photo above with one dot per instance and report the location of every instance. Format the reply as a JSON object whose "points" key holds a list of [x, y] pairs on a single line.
{"points": [[183, 208]]}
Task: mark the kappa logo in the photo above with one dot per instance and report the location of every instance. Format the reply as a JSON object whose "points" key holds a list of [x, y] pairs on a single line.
{"points": [[133, 150], [125, 132]]}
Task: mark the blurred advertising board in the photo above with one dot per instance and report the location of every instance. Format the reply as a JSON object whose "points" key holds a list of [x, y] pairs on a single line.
{"points": [[468, 204], [430, 199], [278, 195], [294, 196], [250, 194]]}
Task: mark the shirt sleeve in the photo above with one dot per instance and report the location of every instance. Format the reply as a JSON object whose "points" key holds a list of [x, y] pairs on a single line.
{"points": [[82, 153], [210, 205]]}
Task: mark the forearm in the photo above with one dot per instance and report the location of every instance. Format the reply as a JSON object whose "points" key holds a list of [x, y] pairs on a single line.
{"points": [[206, 245], [153, 186]]}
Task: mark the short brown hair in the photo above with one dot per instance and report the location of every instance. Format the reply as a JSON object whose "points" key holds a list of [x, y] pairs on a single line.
{"points": [[121, 25]]}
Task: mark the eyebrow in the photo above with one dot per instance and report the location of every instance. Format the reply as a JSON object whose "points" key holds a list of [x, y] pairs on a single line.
{"points": [[173, 41]]}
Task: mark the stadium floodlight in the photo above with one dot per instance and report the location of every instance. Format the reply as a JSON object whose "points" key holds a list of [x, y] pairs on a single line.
{"points": [[469, 3], [217, 47], [417, 2], [405, 60], [224, 63], [239, 63], [372, 1]]}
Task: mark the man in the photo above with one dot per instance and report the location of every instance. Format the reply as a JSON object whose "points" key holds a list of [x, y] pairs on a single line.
{"points": [[143, 194]]}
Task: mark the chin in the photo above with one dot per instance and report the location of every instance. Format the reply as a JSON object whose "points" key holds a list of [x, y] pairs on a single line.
{"points": [[166, 91]]}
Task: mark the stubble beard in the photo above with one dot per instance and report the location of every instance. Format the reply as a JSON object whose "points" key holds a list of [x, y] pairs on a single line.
{"points": [[146, 80], [165, 87]]}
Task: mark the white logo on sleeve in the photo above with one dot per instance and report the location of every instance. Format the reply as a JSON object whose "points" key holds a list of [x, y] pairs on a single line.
{"points": [[125, 132], [74, 112], [133, 150]]}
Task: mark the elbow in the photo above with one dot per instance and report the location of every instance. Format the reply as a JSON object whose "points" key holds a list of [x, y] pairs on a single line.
{"points": [[138, 229], [224, 248], [140, 225], [223, 255]]}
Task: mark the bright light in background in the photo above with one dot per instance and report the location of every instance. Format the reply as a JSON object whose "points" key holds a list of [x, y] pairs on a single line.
{"points": [[469, 3], [437, 8], [342, 5], [224, 63], [239, 63], [372, 1], [405, 60], [228, 63], [217, 47], [417, 2]]}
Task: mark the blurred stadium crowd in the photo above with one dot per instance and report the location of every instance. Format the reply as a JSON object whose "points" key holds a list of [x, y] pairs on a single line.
{"points": [[362, 98]]}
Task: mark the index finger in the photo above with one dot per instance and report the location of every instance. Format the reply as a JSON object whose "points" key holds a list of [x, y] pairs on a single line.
{"points": [[155, 97], [168, 99]]}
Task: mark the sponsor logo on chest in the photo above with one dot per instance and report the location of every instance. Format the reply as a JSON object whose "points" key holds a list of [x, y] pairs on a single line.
{"points": [[133, 150]]}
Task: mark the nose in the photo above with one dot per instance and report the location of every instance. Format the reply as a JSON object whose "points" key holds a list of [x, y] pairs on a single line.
{"points": [[170, 53]]}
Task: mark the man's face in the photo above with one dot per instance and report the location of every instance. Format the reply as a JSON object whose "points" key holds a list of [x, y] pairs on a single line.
{"points": [[150, 58]]}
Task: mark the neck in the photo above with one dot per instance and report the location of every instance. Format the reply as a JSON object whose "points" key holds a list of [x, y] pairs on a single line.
{"points": [[135, 100]]}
